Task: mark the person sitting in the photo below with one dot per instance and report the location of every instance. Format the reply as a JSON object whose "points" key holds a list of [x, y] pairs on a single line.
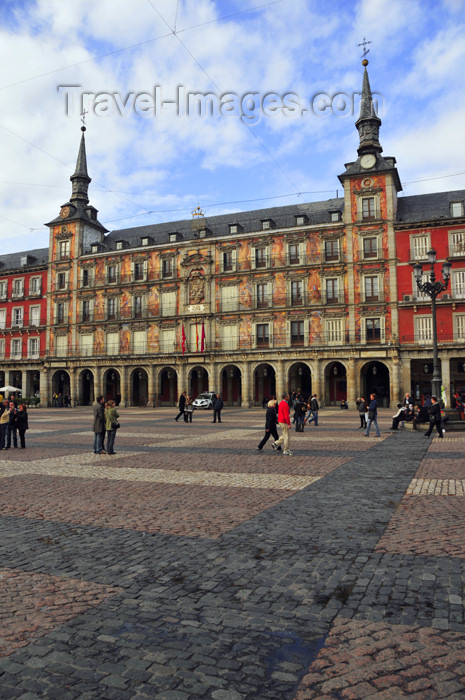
{"points": [[399, 416]]}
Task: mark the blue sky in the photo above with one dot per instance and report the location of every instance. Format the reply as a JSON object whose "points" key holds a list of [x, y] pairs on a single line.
{"points": [[149, 164]]}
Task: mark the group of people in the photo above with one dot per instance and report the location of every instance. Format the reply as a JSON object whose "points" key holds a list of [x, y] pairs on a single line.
{"points": [[13, 420], [61, 401], [105, 425], [277, 414], [186, 408]]}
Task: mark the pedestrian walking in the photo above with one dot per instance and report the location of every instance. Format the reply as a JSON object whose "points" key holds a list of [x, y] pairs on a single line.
{"points": [[188, 409], [372, 416], [362, 407], [23, 425], [314, 408], [12, 431], [111, 425], [99, 425], [300, 408], [181, 405], [284, 420], [217, 408], [4, 417], [435, 420], [271, 420]]}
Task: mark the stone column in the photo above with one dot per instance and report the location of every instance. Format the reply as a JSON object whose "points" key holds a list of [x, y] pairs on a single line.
{"points": [[281, 382], [395, 382], [445, 375], [124, 383], [72, 384], [98, 389], [245, 399], [316, 381], [156, 385], [45, 388], [351, 383], [24, 385]]}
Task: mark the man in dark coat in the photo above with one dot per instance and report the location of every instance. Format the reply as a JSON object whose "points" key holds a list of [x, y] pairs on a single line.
{"points": [[182, 404], [434, 417], [271, 421], [99, 425], [217, 407]]}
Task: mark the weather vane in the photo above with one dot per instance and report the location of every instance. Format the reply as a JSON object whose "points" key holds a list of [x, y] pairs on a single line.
{"points": [[365, 43], [83, 116]]}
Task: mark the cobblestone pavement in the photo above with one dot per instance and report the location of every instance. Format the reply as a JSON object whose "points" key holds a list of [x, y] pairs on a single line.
{"points": [[189, 565]]}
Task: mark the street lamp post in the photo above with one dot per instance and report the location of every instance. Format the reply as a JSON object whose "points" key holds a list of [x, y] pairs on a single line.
{"points": [[432, 288]]}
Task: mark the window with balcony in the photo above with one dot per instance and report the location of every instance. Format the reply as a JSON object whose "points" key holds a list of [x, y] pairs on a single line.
{"points": [[168, 303], [139, 271], [229, 260], [370, 247], [229, 298], [167, 267], [16, 348], [137, 307], [420, 247], [423, 328], [112, 274], [61, 280], [334, 331], [85, 278], [112, 343], [459, 327], [2, 348], [2, 318], [371, 288], [457, 243], [63, 250], [34, 286], [260, 257], [17, 317], [262, 296], [60, 313], [373, 330], [34, 315], [297, 333], [229, 337], [368, 208], [332, 250], [332, 291], [3, 289], [458, 284], [293, 252], [296, 293], [111, 308], [86, 311], [18, 288], [33, 348], [263, 334]]}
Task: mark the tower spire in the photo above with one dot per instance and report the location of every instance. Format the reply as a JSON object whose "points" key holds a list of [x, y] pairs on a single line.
{"points": [[368, 122], [80, 178]]}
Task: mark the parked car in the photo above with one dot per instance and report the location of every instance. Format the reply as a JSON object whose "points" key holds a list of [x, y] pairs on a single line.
{"points": [[204, 400]]}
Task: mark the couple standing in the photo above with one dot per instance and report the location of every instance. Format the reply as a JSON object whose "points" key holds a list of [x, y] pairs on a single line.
{"points": [[105, 422]]}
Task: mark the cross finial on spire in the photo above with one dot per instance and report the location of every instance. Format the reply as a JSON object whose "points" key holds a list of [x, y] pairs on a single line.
{"points": [[83, 118], [365, 43]]}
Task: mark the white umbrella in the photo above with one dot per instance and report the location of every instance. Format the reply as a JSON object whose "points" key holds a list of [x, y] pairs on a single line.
{"points": [[9, 389]]}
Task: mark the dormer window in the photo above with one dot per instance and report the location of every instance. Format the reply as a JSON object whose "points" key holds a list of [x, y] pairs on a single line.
{"points": [[335, 216], [456, 209], [144, 241], [119, 245], [174, 237], [267, 224], [94, 248], [235, 228], [300, 220]]}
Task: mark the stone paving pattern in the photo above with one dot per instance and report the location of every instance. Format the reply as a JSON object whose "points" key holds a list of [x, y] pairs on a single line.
{"points": [[188, 565]]}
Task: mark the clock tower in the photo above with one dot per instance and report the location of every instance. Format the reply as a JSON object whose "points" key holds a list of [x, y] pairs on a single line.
{"points": [[71, 233], [371, 184]]}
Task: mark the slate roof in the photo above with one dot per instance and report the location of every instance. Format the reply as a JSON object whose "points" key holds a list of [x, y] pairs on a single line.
{"points": [[12, 261], [250, 221], [427, 207]]}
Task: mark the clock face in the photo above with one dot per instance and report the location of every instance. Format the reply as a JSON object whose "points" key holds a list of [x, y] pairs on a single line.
{"points": [[64, 212], [368, 160]]}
